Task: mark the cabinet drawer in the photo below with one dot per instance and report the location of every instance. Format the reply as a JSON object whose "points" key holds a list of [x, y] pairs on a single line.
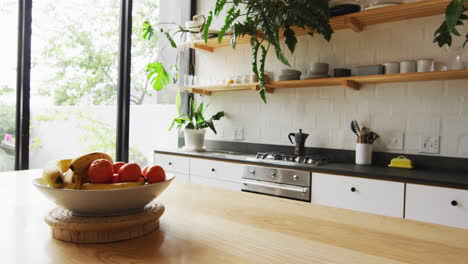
{"points": [[215, 183], [373, 196], [216, 169], [438, 205], [172, 163]]}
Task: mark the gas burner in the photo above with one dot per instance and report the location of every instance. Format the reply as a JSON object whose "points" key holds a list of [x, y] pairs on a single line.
{"points": [[308, 159]]}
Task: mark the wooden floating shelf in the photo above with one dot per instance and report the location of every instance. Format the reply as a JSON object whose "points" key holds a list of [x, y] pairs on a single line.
{"points": [[356, 21], [209, 89], [354, 82]]}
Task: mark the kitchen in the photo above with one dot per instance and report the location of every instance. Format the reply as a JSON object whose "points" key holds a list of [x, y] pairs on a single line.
{"points": [[292, 189]]}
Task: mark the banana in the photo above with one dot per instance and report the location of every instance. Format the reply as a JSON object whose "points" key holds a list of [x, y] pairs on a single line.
{"points": [[72, 180], [110, 186], [80, 165], [64, 165], [53, 176]]}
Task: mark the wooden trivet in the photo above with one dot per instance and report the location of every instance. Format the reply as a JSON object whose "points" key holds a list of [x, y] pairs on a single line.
{"points": [[70, 228]]}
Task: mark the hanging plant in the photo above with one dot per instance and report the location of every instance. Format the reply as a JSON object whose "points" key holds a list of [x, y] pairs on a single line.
{"points": [[454, 16], [267, 22], [158, 73]]}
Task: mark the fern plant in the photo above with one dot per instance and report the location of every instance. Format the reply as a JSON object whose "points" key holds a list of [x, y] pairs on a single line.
{"points": [[267, 22]]}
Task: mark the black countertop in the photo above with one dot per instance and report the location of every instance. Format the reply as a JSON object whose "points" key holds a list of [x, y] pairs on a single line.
{"points": [[451, 179]]}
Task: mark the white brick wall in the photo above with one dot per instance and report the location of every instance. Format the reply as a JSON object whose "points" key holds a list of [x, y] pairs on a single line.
{"points": [[436, 108]]}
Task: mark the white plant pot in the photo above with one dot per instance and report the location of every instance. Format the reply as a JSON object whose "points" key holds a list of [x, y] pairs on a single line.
{"points": [[363, 154], [194, 139]]}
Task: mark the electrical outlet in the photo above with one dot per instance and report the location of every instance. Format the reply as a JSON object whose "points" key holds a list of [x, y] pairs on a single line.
{"points": [[238, 133], [429, 144], [394, 141]]}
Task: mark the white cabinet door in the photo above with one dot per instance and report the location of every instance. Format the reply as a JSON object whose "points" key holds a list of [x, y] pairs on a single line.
{"points": [[438, 205], [216, 173], [177, 165], [172, 163], [236, 186], [373, 196], [219, 170]]}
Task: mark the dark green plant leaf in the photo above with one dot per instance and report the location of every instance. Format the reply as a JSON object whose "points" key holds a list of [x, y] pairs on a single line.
{"points": [[217, 116], [290, 39], [453, 12], [157, 75], [206, 28], [219, 6], [231, 16], [262, 87]]}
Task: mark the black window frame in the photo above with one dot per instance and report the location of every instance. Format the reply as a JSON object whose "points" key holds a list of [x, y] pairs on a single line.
{"points": [[23, 81]]}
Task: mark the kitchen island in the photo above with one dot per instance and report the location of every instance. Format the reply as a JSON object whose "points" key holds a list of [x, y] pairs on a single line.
{"points": [[208, 225]]}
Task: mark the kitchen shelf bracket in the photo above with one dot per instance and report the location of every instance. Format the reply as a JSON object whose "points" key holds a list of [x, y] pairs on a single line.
{"points": [[351, 84], [354, 24]]}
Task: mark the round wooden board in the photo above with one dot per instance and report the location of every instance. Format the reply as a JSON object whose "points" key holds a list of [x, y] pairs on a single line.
{"points": [[70, 228]]}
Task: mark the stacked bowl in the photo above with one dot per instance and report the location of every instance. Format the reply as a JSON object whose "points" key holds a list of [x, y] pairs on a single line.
{"points": [[316, 70], [289, 75]]}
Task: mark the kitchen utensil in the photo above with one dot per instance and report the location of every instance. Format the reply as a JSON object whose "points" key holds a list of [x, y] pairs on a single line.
{"points": [[370, 70], [299, 139], [408, 66], [104, 202], [283, 77], [372, 136], [319, 68], [341, 72], [363, 154], [391, 67], [425, 65], [401, 162], [355, 127]]}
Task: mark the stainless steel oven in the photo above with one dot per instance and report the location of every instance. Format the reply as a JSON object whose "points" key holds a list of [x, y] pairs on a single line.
{"points": [[292, 184]]}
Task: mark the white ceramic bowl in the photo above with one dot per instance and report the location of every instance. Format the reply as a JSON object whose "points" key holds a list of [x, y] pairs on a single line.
{"points": [[104, 202]]}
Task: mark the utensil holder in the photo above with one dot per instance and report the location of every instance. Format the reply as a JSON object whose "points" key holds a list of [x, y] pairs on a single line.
{"points": [[363, 154]]}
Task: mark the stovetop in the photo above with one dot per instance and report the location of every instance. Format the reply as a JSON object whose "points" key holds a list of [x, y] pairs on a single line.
{"points": [[313, 160]]}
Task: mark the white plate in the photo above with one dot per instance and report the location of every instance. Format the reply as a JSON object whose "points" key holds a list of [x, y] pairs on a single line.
{"points": [[104, 202]]}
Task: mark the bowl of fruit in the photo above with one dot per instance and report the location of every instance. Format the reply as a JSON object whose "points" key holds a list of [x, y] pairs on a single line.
{"points": [[93, 185]]}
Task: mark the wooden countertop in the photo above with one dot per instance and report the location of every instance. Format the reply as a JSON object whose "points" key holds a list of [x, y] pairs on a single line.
{"points": [[208, 225]]}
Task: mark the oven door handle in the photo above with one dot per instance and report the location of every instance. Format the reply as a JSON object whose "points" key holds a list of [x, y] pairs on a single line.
{"points": [[276, 186]]}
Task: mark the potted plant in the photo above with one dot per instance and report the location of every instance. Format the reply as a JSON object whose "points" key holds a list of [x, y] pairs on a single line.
{"points": [[266, 22], [194, 124]]}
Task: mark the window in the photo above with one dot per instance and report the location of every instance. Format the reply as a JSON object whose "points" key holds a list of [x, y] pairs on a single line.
{"points": [[151, 112], [8, 50], [74, 83], [73, 78]]}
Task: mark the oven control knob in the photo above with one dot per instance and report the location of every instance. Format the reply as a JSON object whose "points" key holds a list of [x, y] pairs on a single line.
{"points": [[295, 177], [273, 174], [252, 172]]}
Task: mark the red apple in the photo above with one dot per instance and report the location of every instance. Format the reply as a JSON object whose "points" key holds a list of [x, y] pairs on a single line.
{"points": [[155, 174], [115, 178], [117, 166], [100, 171], [130, 172]]}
